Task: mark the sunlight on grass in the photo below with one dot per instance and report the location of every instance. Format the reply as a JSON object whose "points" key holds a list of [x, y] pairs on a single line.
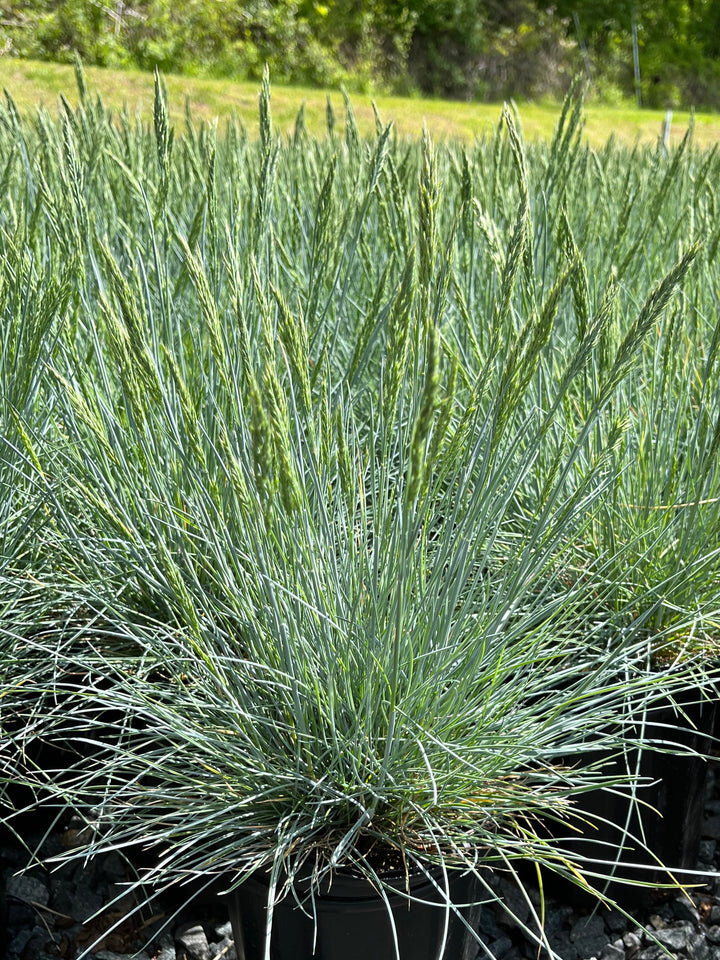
{"points": [[31, 83]]}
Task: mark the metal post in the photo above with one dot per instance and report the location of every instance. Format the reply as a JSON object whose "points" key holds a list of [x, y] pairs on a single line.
{"points": [[581, 41], [636, 60]]}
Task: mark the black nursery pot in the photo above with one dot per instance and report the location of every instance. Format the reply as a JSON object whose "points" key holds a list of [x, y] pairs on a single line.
{"points": [[668, 817], [353, 921]]}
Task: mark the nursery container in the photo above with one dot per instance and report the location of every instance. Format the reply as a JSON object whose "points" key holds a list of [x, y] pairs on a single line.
{"points": [[351, 919], [668, 817]]}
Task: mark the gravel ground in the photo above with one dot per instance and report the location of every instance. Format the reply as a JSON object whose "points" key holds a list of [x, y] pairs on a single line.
{"points": [[50, 915]]}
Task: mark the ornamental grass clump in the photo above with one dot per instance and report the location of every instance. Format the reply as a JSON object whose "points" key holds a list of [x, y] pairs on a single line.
{"points": [[663, 508], [34, 298], [657, 530], [320, 457]]}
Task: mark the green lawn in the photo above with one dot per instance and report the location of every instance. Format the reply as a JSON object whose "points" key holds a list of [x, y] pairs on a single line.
{"points": [[31, 83]]}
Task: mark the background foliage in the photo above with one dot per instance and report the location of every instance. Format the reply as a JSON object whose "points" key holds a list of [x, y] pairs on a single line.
{"points": [[482, 49]]}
